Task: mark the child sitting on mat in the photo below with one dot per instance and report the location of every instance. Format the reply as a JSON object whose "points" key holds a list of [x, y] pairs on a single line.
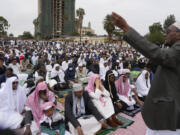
{"points": [[52, 121]]}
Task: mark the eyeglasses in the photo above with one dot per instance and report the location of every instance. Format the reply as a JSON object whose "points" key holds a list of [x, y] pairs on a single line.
{"points": [[177, 30]]}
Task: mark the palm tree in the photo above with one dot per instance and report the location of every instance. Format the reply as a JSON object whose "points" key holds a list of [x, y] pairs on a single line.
{"points": [[109, 26], [80, 13]]}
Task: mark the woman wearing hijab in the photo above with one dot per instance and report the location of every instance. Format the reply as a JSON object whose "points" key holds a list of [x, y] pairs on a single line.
{"points": [[12, 99], [143, 84], [33, 106], [70, 73], [58, 75], [109, 84], [101, 99]]}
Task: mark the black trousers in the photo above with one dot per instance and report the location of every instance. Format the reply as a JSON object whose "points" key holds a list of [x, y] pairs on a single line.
{"points": [[118, 110]]}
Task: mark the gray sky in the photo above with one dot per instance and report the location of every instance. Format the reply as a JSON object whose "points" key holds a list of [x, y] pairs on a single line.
{"points": [[138, 13]]}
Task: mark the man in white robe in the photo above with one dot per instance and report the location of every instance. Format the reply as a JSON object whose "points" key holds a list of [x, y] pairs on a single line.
{"points": [[65, 65], [15, 66], [103, 69], [81, 74], [12, 99], [81, 60]]}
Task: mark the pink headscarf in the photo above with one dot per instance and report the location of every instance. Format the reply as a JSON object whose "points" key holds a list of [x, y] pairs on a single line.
{"points": [[33, 101], [90, 86], [119, 87]]}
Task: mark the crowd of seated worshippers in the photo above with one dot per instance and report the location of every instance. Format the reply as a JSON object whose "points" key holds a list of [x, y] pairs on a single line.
{"points": [[99, 92]]}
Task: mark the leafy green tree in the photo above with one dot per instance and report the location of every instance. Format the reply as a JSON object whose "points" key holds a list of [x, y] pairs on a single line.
{"points": [[11, 35], [90, 34], [4, 25], [156, 37], [119, 34], [26, 35], [75, 34], [155, 27], [155, 34], [169, 21], [109, 26]]}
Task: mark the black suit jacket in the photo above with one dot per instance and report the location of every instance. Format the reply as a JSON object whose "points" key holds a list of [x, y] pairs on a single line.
{"points": [[89, 108], [161, 110]]}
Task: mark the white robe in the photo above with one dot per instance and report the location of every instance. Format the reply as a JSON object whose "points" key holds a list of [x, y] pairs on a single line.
{"points": [[141, 85], [64, 65], [162, 132], [59, 73], [106, 110], [49, 68], [81, 61], [130, 94], [11, 105], [89, 126], [16, 68], [34, 60], [56, 116], [103, 71]]}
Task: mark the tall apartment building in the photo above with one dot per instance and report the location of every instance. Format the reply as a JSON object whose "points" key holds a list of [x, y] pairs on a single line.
{"points": [[55, 18]]}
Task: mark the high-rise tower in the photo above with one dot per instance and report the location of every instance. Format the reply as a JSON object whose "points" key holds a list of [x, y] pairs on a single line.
{"points": [[55, 18]]}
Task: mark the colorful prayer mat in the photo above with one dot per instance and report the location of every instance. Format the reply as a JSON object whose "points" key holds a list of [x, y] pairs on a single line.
{"points": [[126, 122]]}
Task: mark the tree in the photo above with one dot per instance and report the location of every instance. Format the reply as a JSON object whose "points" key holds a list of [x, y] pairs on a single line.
{"points": [[90, 34], [155, 27], [109, 26], [155, 34], [4, 25], [11, 35], [75, 34], [26, 35], [119, 34], [169, 21], [80, 13]]}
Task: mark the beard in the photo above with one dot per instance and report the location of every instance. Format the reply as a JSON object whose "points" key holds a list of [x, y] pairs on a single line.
{"points": [[167, 44]]}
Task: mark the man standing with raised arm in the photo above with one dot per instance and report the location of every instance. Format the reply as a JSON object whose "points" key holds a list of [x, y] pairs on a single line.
{"points": [[161, 111]]}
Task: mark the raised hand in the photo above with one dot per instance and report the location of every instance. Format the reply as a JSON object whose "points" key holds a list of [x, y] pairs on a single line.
{"points": [[120, 22]]}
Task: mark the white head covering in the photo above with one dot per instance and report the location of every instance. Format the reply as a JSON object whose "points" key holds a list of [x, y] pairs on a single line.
{"points": [[143, 85], [77, 87], [177, 25], [47, 107], [125, 71], [52, 83], [106, 61], [80, 65], [117, 61], [38, 78], [54, 72], [141, 57], [7, 99]]}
